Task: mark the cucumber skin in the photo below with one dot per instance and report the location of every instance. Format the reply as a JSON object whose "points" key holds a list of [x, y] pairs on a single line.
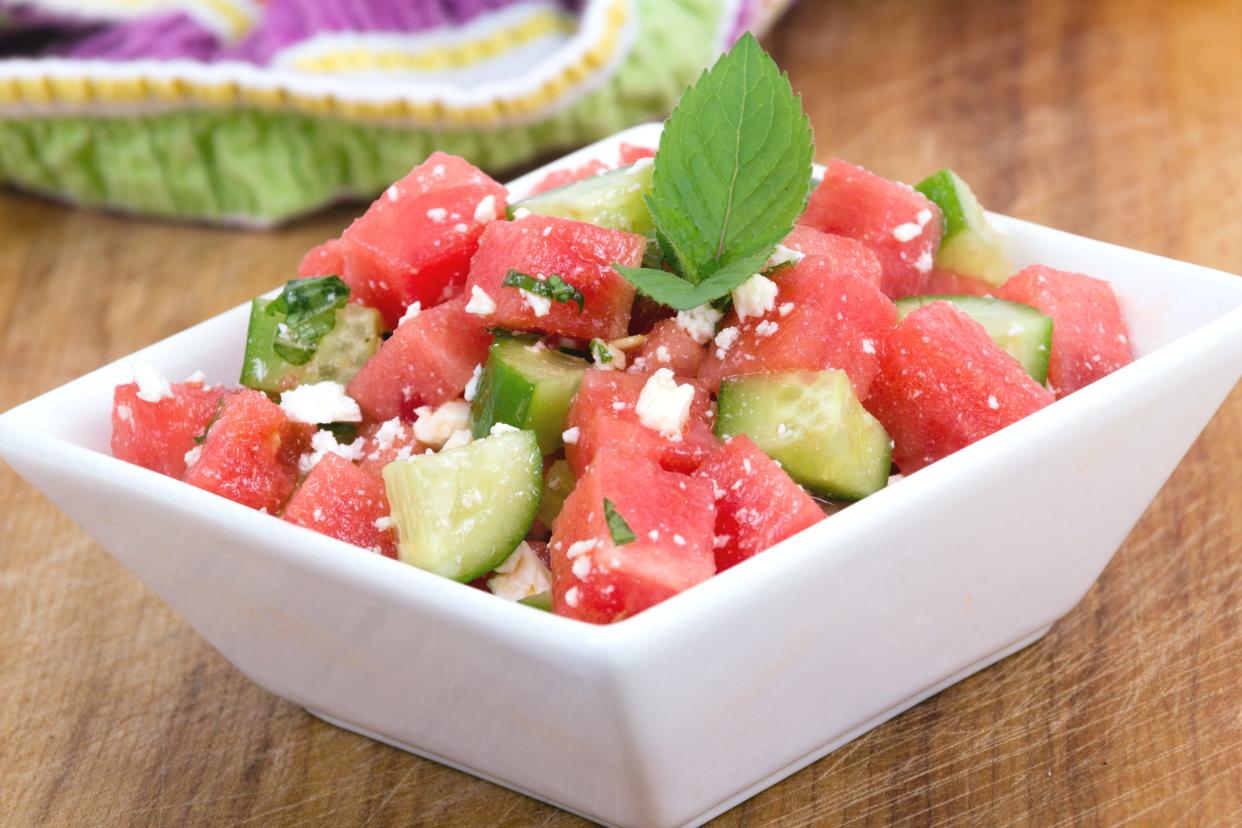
{"points": [[558, 483], [358, 329], [440, 561], [615, 200], [969, 245], [540, 601], [507, 395], [1033, 359], [795, 456]]}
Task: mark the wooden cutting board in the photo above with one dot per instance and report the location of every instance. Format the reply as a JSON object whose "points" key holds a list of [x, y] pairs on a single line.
{"points": [[1120, 120]]}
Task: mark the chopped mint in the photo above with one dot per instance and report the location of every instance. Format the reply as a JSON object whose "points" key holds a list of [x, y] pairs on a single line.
{"points": [[345, 433], [553, 287], [202, 438], [617, 527], [309, 308], [600, 352]]}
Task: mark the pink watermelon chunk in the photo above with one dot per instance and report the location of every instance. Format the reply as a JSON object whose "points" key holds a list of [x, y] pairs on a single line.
{"points": [[669, 346], [902, 226], [1090, 338], [825, 317], [847, 255], [581, 254], [427, 361], [385, 442], [943, 384], [603, 412], [340, 500], [757, 503], [251, 453], [157, 435], [671, 516], [949, 283], [568, 175], [629, 153], [415, 242]]}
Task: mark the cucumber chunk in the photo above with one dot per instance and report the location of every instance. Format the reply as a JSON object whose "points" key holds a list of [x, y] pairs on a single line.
{"points": [[558, 483], [340, 354], [812, 424], [970, 245], [526, 385], [461, 512], [540, 600], [1023, 332], [615, 199]]}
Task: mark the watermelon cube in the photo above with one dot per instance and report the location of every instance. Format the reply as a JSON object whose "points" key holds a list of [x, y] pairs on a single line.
{"points": [[604, 416], [757, 503], [949, 283], [901, 225], [669, 346], [600, 573], [415, 242], [428, 360], [385, 442], [628, 153], [157, 435], [251, 453], [847, 255], [824, 316], [1090, 338], [581, 254], [342, 501], [943, 384]]}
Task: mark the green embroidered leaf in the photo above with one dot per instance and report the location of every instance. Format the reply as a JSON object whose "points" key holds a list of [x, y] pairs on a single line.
{"points": [[677, 293], [617, 527], [309, 308], [732, 174], [553, 287]]}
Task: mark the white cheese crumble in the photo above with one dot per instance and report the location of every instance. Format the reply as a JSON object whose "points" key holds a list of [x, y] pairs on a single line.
{"points": [[521, 575], [191, 456], [581, 567], [663, 405], [459, 227], [383, 523], [754, 297], [654, 534], [434, 428], [725, 339], [785, 309], [437, 214], [868, 347], [570, 436], [324, 443], [502, 428], [387, 434], [197, 378], [662, 354], [125, 414], [699, 322], [411, 312], [766, 328], [320, 402], [679, 540], [520, 213], [485, 210], [580, 548], [785, 255], [571, 596], [472, 387], [480, 303], [152, 386], [393, 192], [925, 262], [907, 232], [460, 437], [993, 403], [539, 305]]}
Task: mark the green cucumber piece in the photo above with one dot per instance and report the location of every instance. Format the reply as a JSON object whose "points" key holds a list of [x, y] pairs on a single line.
{"points": [[340, 354], [558, 483], [461, 512], [812, 424], [1020, 330], [526, 385], [540, 600], [615, 199], [970, 245]]}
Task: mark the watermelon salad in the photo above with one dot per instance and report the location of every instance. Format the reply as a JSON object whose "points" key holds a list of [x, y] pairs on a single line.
{"points": [[648, 370]]}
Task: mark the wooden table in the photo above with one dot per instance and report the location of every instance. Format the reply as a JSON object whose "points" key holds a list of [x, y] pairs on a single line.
{"points": [[1120, 120]]}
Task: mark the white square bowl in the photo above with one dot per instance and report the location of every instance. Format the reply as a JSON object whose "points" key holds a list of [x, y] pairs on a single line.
{"points": [[677, 714]]}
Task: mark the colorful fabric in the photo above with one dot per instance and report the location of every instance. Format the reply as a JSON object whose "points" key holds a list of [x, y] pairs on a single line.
{"points": [[249, 112]]}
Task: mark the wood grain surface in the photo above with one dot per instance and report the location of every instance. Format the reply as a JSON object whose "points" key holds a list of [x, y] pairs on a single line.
{"points": [[1119, 120]]}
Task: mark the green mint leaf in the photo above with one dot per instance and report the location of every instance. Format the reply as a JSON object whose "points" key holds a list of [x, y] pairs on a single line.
{"points": [[617, 527], [309, 308], [679, 294], [733, 171], [199, 439], [600, 351], [345, 433], [553, 287]]}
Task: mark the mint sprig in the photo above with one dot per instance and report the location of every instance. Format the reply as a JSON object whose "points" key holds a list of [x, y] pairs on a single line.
{"points": [[553, 287], [732, 175], [309, 309], [617, 527]]}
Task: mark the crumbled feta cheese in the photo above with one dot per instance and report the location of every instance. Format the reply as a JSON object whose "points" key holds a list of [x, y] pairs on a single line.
{"points": [[324, 443], [433, 428], [539, 305], [619, 405], [152, 387], [520, 213], [662, 354], [923, 217], [699, 322], [191, 456], [460, 437], [679, 540], [868, 347], [580, 548], [754, 297], [654, 534], [725, 339], [785, 255], [437, 214], [993, 403], [521, 575], [663, 405], [480, 303], [570, 436], [125, 414], [746, 465], [907, 232], [766, 328], [388, 433], [785, 309], [411, 312], [581, 567], [317, 515], [383, 523], [571, 596], [485, 210], [502, 428], [437, 171], [393, 192], [472, 387], [197, 378], [320, 402], [925, 262]]}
